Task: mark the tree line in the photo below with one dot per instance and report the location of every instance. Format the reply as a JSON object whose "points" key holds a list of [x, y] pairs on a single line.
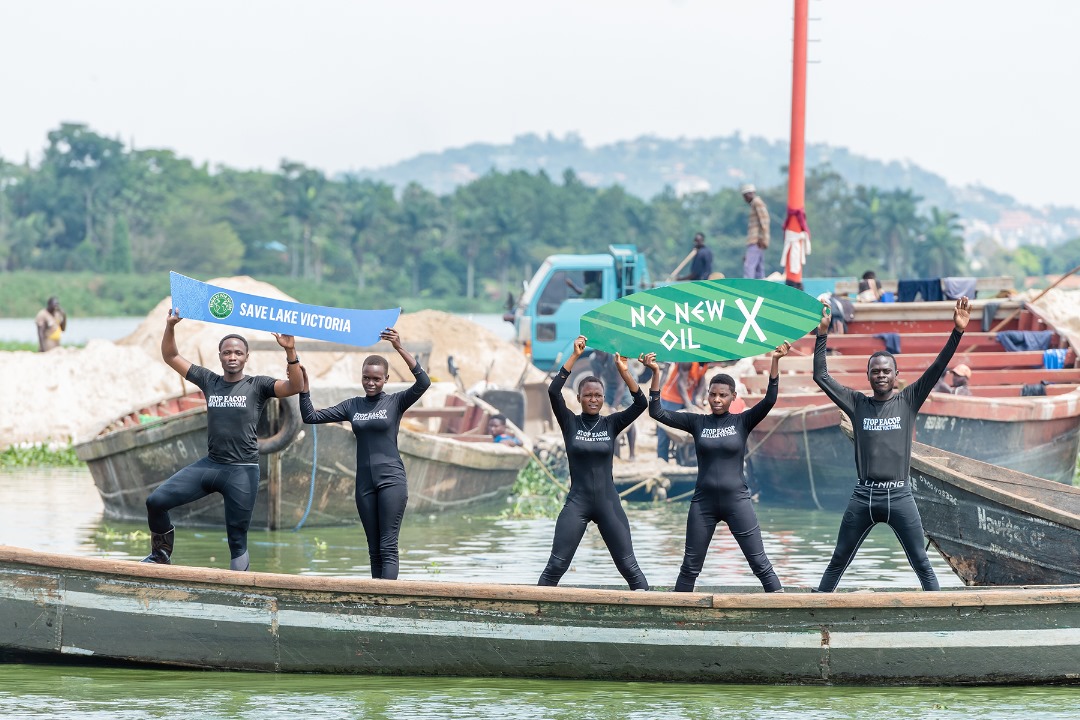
{"points": [[94, 205]]}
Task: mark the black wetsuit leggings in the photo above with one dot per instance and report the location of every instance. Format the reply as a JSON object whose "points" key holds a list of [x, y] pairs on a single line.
{"points": [[238, 485], [381, 510], [741, 519], [610, 519], [867, 507]]}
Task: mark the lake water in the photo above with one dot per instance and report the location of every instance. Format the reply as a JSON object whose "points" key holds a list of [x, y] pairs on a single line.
{"points": [[59, 511], [80, 330]]}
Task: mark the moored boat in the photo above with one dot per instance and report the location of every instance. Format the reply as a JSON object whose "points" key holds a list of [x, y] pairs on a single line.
{"points": [[59, 607], [800, 457], [996, 526], [307, 472]]}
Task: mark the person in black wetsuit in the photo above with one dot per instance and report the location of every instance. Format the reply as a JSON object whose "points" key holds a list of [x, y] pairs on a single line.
{"points": [[234, 402], [884, 425], [721, 494], [381, 490], [590, 448]]}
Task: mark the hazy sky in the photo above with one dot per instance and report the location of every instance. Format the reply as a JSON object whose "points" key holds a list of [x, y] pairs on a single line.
{"points": [[976, 90]]}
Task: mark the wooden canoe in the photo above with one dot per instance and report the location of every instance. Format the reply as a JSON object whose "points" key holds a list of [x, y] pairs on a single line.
{"points": [[58, 608], [800, 458], [449, 459], [996, 526]]}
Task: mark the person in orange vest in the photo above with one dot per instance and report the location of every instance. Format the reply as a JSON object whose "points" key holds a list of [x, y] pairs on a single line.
{"points": [[680, 392]]}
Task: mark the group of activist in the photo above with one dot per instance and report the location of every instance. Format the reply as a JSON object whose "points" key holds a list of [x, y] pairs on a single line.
{"points": [[883, 424]]}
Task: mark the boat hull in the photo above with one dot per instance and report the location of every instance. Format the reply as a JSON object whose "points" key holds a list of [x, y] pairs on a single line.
{"points": [[994, 526], [129, 464], [60, 607]]}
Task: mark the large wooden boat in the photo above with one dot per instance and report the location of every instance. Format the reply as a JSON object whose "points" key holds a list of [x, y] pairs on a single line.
{"points": [[58, 608], [307, 472], [996, 526], [800, 458]]}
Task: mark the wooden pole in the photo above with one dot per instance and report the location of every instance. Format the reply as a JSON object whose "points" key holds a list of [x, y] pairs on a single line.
{"points": [[1016, 312], [681, 265]]}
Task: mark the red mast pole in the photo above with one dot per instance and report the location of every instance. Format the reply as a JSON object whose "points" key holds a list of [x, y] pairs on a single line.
{"points": [[796, 231]]}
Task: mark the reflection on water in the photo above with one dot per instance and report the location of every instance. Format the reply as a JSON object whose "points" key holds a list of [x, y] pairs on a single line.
{"points": [[59, 511], [33, 692]]}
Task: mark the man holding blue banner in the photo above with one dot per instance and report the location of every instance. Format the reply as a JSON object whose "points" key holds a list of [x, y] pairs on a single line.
{"points": [[234, 402]]}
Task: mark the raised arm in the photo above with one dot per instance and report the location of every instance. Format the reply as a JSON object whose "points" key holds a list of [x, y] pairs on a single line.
{"points": [[921, 388], [625, 417], [677, 420], [421, 383], [558, 404], [844, 397], [169, 352], [757, 413], [293, 371]]}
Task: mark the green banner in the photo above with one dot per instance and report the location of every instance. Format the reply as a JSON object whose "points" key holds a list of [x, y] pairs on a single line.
{"points": [[705, 320]]}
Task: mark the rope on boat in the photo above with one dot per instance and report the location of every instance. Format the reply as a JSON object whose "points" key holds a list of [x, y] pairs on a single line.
{"points": [[809, 467], [311, 485]]}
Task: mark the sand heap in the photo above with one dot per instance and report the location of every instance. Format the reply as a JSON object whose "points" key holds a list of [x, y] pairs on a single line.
{"points": [[72, 393]]}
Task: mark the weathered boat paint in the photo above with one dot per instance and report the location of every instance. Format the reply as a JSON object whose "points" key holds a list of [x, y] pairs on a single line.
{"points": [[55, 606], [996, 526]]}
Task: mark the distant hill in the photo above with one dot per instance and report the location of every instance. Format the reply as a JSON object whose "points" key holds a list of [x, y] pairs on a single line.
{"points": [[646, 165]]}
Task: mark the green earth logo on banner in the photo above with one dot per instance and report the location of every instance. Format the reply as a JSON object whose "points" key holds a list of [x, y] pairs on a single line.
{"points": [[705, 320], [220, 305]]}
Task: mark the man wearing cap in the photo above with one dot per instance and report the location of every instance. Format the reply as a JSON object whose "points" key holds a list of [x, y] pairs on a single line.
{"points": [[961, 375], [757, 234]]}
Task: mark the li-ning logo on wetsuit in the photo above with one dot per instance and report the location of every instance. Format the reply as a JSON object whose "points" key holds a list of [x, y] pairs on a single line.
{"points": [[377, 415], [878, 424], [717, 432], [220, 305], [226, 401]]}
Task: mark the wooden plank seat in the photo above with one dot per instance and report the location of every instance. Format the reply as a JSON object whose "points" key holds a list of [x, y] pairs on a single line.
{"points": [[865, 345], [909, 362], [444, 413], [796, 384], [985, 287], [799, 382]]}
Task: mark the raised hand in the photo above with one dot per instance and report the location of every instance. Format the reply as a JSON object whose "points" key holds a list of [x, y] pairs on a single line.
{"points": [[391, 336], [962, 313], [620, 362], [826, 318], [649, 361], [303, 371], [579, 346], [173, 318], [286, 341], [780, 351]]}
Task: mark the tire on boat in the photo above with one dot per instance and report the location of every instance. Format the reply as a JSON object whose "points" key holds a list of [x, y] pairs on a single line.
{"points": [[288, 426]]}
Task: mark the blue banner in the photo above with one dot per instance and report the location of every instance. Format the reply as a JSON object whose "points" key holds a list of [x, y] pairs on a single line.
{"points": [[198, 301]]}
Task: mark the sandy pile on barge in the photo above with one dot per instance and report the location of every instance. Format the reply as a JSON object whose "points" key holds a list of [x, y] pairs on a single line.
{"points": [[72, 393]]}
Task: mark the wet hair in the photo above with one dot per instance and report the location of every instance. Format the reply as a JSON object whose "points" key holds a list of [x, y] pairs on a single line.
{"points": [[869, 275], [232, 336], [881, 353], [377, 360], [723, 379], [589, 379]]}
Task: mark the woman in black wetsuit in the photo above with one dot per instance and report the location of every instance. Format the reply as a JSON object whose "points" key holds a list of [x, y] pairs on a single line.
{"points": [[883, 425], [721, 494], [381, 490], [590, 446]]}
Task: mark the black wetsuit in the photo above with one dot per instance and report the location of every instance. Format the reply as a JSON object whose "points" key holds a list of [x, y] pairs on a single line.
{"points": [[883, 434], [721, 494], [232, 464], [381, 490], [590, 447]]}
